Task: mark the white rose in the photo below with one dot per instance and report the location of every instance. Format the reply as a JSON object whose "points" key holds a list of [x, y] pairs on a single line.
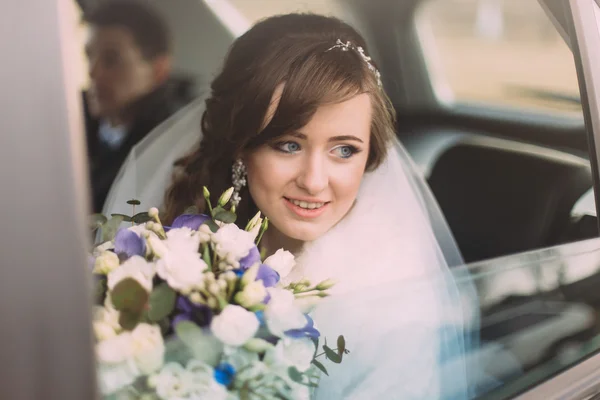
{"points": [[202, 383], [106, 322], [103, 331], [172, 382], [114, 377], [183, 271], [292, 352], [115, 350], [148, 347], [179, 240], [103, 247], [282, 314], [136, 268], [235, 325], [254, 293], [282, 261], [106, 262], [233, 242]]}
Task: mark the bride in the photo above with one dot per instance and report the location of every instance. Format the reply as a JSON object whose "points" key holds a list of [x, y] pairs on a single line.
{"points": [[298, 122]]}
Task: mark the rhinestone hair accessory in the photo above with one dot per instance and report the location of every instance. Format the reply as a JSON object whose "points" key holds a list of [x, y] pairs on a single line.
{"points": [[361, 52], [238, 178]]}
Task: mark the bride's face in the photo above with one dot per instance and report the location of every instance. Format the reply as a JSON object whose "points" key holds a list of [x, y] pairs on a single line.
{"points": [[306, 181]]}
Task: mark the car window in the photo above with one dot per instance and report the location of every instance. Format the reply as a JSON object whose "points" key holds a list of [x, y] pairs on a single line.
{"points": [[538, 316], [258, 9], [504, 53]]}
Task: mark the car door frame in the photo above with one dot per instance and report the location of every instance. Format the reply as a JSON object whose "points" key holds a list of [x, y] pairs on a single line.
{"points": [[579, 24]]}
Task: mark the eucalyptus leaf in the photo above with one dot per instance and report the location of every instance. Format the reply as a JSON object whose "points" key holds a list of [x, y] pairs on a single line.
{"points": [[110, 228], [320, 366], [298, 377], [100, 289], [341, 345], [225, 216], [133, 202], [295, 375], [129, 319], [97, 220], [162, 302], [141, 218], [204, 347], [332, 355], [126, 218], [212, 225], [129, 295], [216, 210]]}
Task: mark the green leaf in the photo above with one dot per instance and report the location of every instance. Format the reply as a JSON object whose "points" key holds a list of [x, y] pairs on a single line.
{"points": [[126, 218], [295, 375], [212, 225], [298, 377], [129, 319], [189, 333], [129, 295], [100, 289], [110, 228], [341, 345], [97, 220], [133, 202], [141, 218], [225, 216], [320, 366], [332, 355], [161, 301], [316, 343]]}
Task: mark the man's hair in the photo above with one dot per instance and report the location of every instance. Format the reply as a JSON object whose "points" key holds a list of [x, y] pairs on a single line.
{"points": [[147, 26]]}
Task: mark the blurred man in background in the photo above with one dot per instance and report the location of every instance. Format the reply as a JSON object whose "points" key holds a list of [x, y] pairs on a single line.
{"points": [[131, 88]]}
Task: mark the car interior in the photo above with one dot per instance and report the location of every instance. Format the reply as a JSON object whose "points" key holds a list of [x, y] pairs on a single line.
{"points": [[507, 180]]}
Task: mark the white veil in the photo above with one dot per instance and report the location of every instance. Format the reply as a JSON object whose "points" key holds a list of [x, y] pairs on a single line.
{"points": [[146, 172], [404, 301]]}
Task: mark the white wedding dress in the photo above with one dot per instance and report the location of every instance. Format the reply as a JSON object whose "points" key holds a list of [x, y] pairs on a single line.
{"points": [[403, 301]]}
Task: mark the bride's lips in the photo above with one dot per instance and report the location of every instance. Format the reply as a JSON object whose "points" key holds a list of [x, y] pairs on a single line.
{"points": [[305, 212]]}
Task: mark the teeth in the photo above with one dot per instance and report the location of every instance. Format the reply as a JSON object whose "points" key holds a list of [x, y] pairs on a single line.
{"points": [[308, 206]]}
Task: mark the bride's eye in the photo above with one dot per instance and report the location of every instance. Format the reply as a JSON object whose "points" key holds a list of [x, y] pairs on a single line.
{"points": [[287, 147], [345, 151]]}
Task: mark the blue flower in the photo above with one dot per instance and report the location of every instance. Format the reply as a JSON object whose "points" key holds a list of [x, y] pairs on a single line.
{"points": [[260, 315], [224, 373], [192, 221], [267, 275], [252, 258], [199, 314], [129, 244], [308, 331]]}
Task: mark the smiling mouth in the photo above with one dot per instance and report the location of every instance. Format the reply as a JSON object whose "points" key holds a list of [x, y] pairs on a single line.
{"points": [[307, 205]]}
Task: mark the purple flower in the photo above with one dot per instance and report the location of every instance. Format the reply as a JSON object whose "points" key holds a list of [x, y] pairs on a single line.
{"points": [[308, 331], [199, 314], [129, 244], [252, 258], [192, 221], [268, 275]]}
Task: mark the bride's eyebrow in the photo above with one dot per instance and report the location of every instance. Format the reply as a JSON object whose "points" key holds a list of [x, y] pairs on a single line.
{"points": [[341, 138]]}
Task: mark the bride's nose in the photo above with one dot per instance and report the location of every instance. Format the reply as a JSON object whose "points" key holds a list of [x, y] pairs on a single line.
{"points": [[313, 177]]}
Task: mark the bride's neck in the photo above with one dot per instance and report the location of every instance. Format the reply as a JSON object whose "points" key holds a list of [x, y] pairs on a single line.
{"points": [[274, 240]]}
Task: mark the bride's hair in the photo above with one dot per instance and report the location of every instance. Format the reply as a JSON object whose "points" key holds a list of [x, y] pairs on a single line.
{"points": [[289, 49]]}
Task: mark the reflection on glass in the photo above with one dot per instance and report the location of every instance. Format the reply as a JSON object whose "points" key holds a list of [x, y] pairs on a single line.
{"points": [[538, 314]]}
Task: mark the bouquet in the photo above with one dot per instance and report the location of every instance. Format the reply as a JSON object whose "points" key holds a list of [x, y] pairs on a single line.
{"points": [[194, 311]]}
